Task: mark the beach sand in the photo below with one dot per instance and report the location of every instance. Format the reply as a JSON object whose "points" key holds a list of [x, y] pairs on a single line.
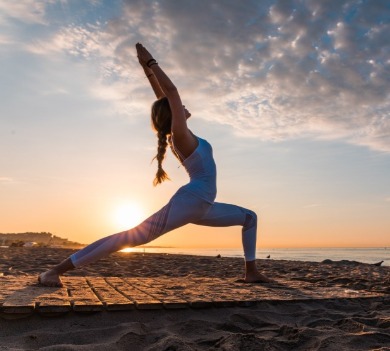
{"points": [[317, 324]]}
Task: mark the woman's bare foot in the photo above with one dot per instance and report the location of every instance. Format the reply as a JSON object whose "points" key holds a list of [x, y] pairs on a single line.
{"points": [[50, 278], [257, 277], [252, 275]]}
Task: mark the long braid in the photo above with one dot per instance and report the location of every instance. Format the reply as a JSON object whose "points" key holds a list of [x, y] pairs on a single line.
{"points": [[161, 175], [161, 119]]}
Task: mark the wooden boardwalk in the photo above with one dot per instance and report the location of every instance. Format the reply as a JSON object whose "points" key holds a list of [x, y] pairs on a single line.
{"points": [[21, 296]]}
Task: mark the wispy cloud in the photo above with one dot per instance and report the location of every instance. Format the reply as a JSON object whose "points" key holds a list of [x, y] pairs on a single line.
{"points": [[5, 40], [27, 11], [312, 206], [273, 70], [6, 180]]}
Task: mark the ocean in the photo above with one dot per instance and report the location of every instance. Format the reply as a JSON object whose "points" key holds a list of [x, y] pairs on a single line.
{"points": [[364, 255]]}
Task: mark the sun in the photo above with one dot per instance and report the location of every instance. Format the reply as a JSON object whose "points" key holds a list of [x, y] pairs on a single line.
{"points": [[127, 215]]}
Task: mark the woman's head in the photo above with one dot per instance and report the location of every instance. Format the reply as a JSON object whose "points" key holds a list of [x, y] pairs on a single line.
{"points": [[161, 116], [161, 121]]}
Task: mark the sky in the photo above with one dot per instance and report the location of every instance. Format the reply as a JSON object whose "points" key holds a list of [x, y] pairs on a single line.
{"points": [[294, 96]]}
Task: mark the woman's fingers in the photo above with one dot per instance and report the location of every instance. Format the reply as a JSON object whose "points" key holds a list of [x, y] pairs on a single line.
{"points": [[143, 54], [140, 52], [139, 47]]}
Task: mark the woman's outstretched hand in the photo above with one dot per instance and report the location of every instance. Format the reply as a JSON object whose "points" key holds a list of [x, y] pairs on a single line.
{"points": [[144, 56]]}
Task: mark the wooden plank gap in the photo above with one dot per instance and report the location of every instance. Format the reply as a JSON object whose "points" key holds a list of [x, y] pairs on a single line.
{"points": [[112, 299], [140, 298], [118, 290], [95, 292], [143, 291]]}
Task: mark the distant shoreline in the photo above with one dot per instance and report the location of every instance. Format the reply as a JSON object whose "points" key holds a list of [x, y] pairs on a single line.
{"points": [[362, 255]]}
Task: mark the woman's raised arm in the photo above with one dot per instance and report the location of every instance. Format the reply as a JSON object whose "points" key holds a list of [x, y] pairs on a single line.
{"points": [[183, 137], [152, 80]]}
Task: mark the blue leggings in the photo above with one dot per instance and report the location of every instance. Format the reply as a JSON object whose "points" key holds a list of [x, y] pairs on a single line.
{"points": [[182, 209]]}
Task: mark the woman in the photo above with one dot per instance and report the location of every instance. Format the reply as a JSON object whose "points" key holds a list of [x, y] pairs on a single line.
{"points": [[192, 203]]}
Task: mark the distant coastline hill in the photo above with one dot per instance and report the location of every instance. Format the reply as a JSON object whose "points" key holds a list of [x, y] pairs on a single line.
{"points": [[40, 239]]}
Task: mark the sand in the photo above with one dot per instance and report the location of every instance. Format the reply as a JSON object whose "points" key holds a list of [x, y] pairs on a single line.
{"points": [[330, 324]]}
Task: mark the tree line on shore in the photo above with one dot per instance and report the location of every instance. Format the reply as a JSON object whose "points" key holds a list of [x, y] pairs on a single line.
{"points": [[44, 239]]}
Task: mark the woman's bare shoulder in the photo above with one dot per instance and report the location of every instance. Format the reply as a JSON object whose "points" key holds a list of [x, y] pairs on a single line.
{"points": [[185, 143]]}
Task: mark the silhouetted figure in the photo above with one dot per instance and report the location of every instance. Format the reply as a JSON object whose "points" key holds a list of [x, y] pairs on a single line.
{"points": [[193, 203]]}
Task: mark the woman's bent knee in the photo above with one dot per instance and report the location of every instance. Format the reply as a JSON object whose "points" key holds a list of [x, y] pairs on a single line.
{"points": [[250, 219]]}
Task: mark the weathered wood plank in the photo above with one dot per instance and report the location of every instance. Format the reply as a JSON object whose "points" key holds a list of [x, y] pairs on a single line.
{"points": [[215, 292], [112, 299], [24, 295], [197, 296], [157, 289], [82, 298], [8, 285], [220, 291], [141, 299], [22, 300], [51, 300], [21, 295]]}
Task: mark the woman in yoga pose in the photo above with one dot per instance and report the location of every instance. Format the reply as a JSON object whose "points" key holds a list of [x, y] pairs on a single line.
{"points": [[192, 203]]}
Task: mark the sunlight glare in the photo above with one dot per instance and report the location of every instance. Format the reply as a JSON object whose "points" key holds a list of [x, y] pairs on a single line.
{"points": [[128, 249], [128, 215]]}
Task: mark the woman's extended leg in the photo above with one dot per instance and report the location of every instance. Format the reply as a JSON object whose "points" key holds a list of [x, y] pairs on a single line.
{"points": [[226, 215], [183, 208]]}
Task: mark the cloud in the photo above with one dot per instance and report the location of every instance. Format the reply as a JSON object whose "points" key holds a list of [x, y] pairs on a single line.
{"points": [[27, 11], [273, 70], [6, 180], [312, 206], [5, 40], [288, 69]]}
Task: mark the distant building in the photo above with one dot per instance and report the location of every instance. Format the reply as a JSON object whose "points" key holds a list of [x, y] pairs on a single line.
{"points": [[30, 244]]}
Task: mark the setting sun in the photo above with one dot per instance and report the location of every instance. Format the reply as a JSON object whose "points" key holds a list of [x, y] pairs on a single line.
{"points": [[127, 215]]}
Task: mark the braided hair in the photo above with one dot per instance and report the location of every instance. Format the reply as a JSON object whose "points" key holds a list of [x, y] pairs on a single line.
{"points": [[161, 120]]}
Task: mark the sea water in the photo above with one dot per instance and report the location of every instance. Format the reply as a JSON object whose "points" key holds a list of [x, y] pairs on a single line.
{"points": [[364, 255]]}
